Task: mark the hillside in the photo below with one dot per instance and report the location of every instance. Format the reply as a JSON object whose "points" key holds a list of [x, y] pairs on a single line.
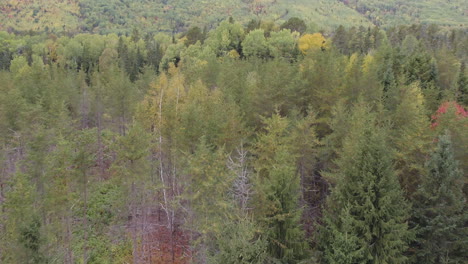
{"points": [[121, 16], [395, 12]]}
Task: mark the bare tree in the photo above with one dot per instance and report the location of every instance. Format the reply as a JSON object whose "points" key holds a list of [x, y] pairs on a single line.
{"points": [[242, 188]]}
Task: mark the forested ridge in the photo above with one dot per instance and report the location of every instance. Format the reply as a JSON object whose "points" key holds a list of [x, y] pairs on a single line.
{"points": [[122, 16], [252, 142]]}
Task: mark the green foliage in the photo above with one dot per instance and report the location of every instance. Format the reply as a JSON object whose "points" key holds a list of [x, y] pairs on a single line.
{"points": [[193, 35], [124, 148], [391, 12], [366, 213], [410, 136], [295, 24], [210, 184], [462, 83], [440, 209], [255, 44], [225, 38], [240, 242], [278, 190], [283, 44], [21, 240]]}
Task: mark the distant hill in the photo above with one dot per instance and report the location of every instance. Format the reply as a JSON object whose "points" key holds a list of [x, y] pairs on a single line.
{"points": [[122, 16], [395, 12]]}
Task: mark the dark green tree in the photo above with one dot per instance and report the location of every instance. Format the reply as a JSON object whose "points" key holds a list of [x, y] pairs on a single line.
{"points": [[239, 243], [278, 192], [366, 214], [295, 24], [439, 210], [462, 83], [340, 39], [193, 35]]}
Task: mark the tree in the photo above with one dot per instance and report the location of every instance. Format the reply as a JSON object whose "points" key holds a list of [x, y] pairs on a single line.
{"points": [[21, 239], [462, 83], [295, 24], [255, 44], [366, 213], [323, 86], [454, 118], [208, 192], [340, 39], [422, 67], [132, 155], [410, 136], [283, 44], [84, 149], [440, 212], [278, 191], [239, 243], [193, 35], [310, 43], [226, 37]]}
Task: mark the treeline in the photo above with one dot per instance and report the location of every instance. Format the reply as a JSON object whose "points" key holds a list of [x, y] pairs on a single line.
{"points": [[257, 144]]}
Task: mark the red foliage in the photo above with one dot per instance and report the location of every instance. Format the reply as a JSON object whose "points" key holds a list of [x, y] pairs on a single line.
{"points": [[460, 112], [167, 248], [159, 244]]}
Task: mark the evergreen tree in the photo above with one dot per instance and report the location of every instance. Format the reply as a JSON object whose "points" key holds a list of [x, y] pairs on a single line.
{"points": [[440, 211], [240, 243], [462, 83], [21, 240], [295, 24], [278, 191], [365, 219], [340, 39], [410, 136]]}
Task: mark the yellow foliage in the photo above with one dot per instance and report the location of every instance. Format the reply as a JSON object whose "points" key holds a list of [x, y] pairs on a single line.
{"points": [[182, 40], [233, 54], [312, 42], [368, 63]]}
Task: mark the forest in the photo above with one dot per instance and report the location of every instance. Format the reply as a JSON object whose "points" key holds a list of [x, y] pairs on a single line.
{"points": [[152, 16], [246, 142]]}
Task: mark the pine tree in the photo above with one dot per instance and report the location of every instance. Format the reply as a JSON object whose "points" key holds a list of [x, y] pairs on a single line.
{"points": [[278, 189], [210, 184], [440, 210], [239, 243], [365, 219], [132, 152], [462, 83], [410, 136], [20, 240]]}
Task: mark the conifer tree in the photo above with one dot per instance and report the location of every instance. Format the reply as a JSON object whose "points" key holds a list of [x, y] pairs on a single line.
{"points": [[410, 136], [365, 219], [462, 83], [278, 189], [132, 155], [21, 240], [440, 210], [239, 243]]}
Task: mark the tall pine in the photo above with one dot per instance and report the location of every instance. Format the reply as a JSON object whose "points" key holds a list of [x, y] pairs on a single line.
{"points": [[439, 210], [278, 191], [365, 218]]}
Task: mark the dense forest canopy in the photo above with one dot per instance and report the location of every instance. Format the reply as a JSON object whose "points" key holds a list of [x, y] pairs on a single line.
{"points": [[233, 131], [122, 16]]}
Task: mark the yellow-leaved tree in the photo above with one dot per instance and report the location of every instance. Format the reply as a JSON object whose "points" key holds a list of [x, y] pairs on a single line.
{"points": [[313, 42]]}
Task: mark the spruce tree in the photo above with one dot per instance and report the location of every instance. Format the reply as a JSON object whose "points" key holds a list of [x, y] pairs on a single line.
{"points": [[365, 218], [278, 191], [239, 243], [439, 210]]}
